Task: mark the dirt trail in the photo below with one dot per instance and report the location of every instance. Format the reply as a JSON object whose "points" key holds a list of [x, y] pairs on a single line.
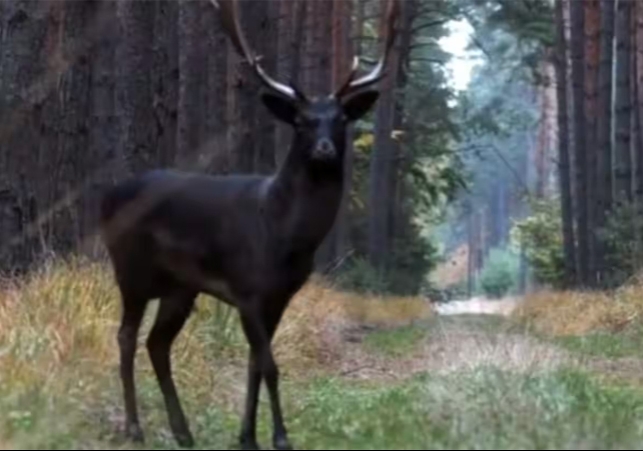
{"points": [[460, 341], [453, 344], [480, 306]]}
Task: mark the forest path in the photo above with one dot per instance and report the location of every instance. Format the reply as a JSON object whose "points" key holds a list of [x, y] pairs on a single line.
{"points": [[479, 305]]}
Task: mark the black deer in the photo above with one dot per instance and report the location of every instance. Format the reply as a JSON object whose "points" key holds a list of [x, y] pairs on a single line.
{"points": [[247, 240]]}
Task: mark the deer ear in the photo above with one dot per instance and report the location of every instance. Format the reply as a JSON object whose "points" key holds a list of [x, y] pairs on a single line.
{"points": [[283, 109], [358, 105]]}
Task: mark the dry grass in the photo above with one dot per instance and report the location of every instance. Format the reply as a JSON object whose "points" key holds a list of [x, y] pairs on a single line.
{"points": [[61, 323], [58, 348], [457, 351], [576, 313], [379, 311]]}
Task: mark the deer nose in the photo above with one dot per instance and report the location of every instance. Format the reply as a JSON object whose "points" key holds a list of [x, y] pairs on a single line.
{"points": [[324, 149]]}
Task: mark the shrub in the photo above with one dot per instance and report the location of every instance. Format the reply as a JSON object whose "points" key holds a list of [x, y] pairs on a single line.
{"points": [[500, 273], [622, 235], [360, 276], [540, 236]]}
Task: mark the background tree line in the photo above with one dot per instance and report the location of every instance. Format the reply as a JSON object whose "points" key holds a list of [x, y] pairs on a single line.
{"points": [[556, 123]]}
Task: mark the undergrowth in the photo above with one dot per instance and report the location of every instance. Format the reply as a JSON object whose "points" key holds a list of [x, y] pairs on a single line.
{"points": [[59, 382], [482, 408], [568, 313], [605, 325], [397, 341], [462, 383]]}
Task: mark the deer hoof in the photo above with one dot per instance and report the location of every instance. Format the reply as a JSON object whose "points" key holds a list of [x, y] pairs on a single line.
{"points": [[134, 433], [246, 444], [282, 443], [185, 440]]}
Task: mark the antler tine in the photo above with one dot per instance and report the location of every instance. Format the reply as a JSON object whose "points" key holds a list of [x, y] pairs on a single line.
{"points": [[377, 73], [351, 76], [228, 10]]}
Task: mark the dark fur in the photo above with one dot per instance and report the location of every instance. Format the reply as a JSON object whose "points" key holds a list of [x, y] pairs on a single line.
{"points": [[247, 240]]}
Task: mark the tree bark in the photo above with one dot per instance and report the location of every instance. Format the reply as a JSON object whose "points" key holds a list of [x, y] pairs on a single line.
{"points": [[342, 56], [243, 100], [592, 58], [327, 38], [578, 80], [133, 96], [623, 160], [604, 131], [192, 81], [383, 154], [563, 148], [217, 158], [264, 33]]}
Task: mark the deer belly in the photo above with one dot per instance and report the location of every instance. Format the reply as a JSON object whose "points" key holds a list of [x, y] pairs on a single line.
{"points": [[183, 261]]}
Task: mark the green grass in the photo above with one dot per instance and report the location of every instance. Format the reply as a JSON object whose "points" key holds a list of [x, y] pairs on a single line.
{"points": [[401, 341], [396, 342], [483, 408], [628, 343]]}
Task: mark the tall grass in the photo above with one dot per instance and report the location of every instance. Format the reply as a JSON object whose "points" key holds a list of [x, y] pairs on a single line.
{"points": [[578, 313], [59, 354]]}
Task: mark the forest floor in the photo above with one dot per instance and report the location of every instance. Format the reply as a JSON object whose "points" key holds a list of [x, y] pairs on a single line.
{"points": [[385, 375]]}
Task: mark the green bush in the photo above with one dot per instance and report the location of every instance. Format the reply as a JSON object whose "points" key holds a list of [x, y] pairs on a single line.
{"points": [[360, 276], [500, 273], [622, 235], [409, 261], [540, 236]]}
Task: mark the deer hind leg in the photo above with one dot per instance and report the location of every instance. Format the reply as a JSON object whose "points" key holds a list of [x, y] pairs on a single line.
{"points": [[133, 311], [173, 313]]}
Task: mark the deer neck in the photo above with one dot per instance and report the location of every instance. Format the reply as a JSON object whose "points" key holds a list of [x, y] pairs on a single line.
{"points": [[305, 196]]}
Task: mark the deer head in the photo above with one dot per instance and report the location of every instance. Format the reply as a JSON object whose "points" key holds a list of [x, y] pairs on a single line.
{"points": [[319, 122]]}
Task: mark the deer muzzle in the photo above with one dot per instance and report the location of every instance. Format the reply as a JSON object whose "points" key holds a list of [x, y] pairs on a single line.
{"points": [[324, 150]]}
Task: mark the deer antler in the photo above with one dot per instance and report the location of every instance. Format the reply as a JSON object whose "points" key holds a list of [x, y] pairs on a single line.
{"points": [[351, 84], [230, 20]]}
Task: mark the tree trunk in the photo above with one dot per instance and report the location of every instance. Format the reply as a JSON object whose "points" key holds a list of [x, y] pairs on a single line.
{"points": [[396, 209], [70, 108], [623, 160], [243, 89], [592, 58], [604, 131], [133, 96], [286, 60], [471, 254], [264, 33], [639, 97], [342, 58], [326, 38], [217, 155], [636, 140], [28, 31], [103, 131], [563, 148], [383, 154], [165, 81], [578, 80]]}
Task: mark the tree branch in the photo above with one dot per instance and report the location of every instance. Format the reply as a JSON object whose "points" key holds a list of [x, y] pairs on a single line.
{"points": [[432, 24]]}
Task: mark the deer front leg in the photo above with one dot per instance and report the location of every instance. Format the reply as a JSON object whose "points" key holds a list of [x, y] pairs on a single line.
{"points": [[248, 437], [271, 375], [259, 332]]}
